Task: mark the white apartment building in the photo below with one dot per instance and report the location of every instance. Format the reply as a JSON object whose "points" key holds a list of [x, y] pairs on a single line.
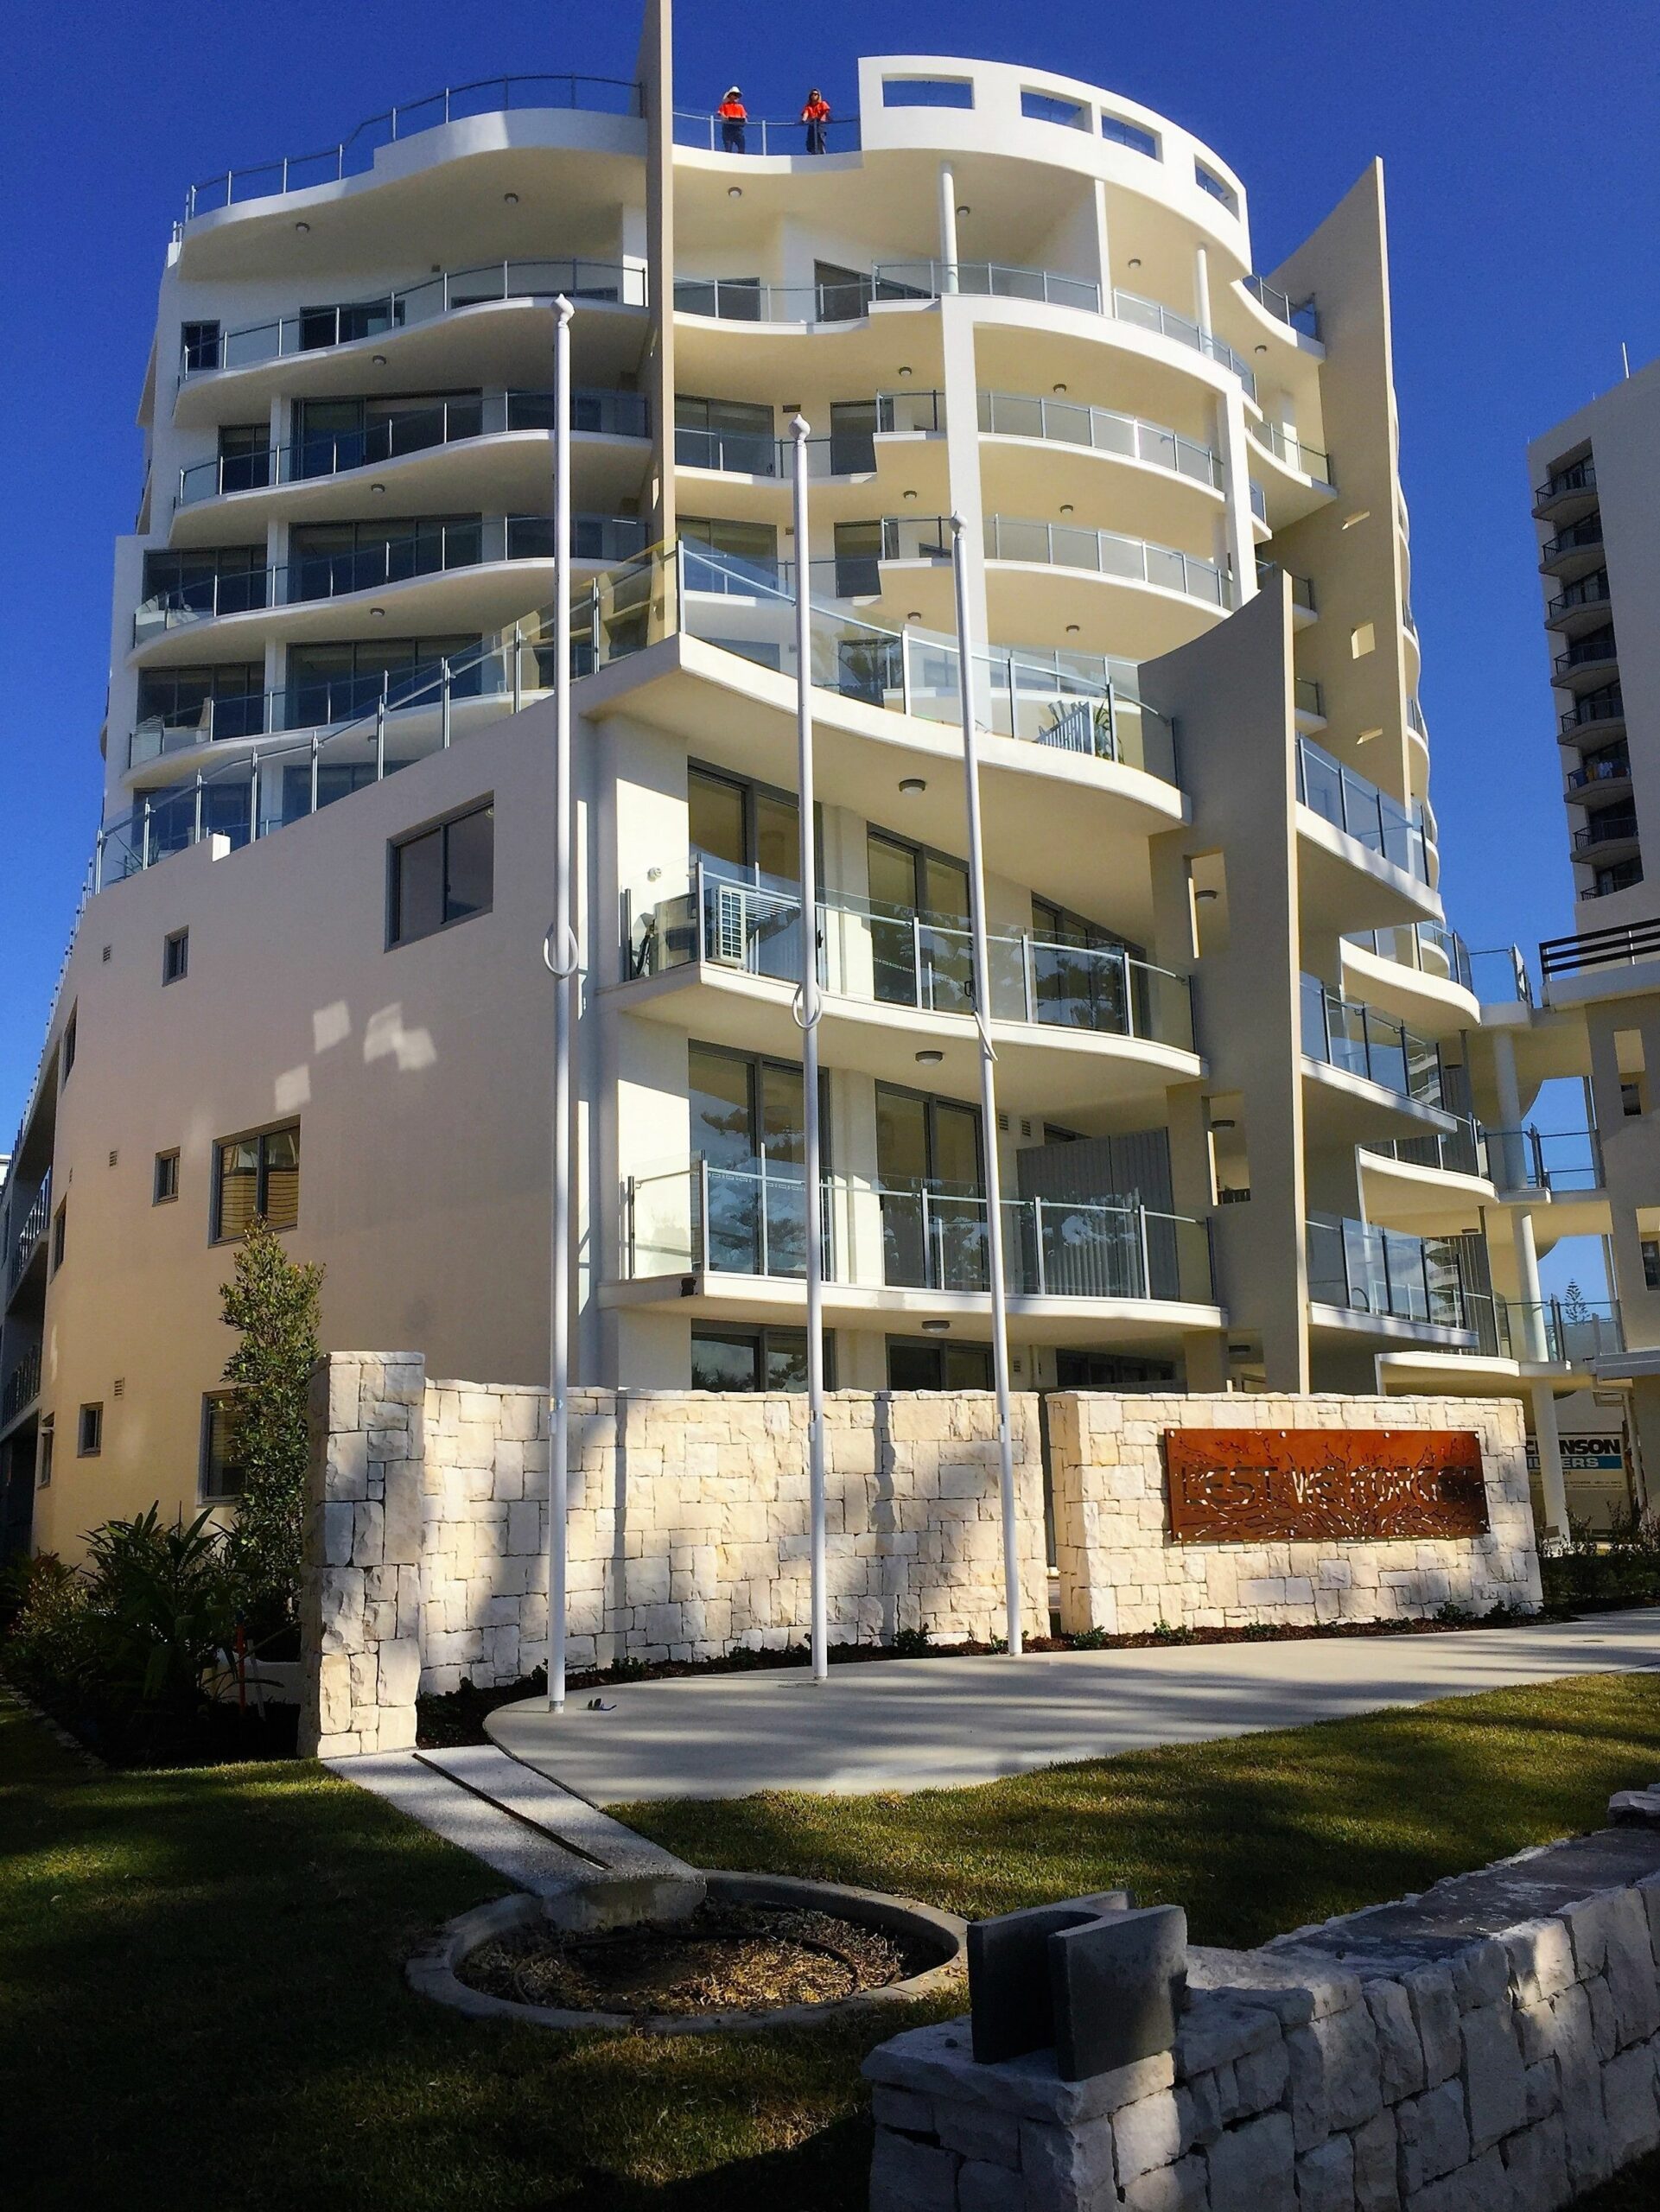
{"points": [[1240, 1062]]}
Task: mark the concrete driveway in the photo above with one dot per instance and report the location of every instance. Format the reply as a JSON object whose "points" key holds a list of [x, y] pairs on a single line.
{"points": [[911, 1724]]}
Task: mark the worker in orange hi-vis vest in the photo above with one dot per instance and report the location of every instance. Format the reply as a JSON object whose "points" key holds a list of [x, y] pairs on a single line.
{"points": [[816, 114], [733, 115]]}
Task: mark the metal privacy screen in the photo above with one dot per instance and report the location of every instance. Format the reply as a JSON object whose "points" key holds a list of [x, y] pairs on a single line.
{"points": [[1242, 1485]]}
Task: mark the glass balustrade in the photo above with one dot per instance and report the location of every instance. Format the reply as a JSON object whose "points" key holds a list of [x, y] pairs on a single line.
{"points": [[1283, 442], [1017, 415], [1430, 947], [313, 743], [718, 134], [1101, 552], [1361, 1269], [896, 956], [1300, 314], [1361, 1041], [1570, 1332], [1361, 810], [317, 329], [1456, 1152], [746, 454], [1561, 1161], [750, 1218], [356, 154], [401, 431]]}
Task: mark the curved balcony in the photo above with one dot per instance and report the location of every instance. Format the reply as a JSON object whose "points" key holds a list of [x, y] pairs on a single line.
{"points": [[1595, 717], [1103, 553], [358, 322], [1386, 1282], [1604, 776], [1302, 315], [1574, 552], [271, 601], [1363, 1066], [1069, 427], [754, 299], [1396, 833], [1607, 837], [1077, 1027], [1569, 493], [721, 1234], [1311, 463], [1581, 607], [355, 153]]}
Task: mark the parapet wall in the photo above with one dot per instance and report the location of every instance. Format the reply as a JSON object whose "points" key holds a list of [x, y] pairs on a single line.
{"points": [[688, 1531], [1492, 2046]]}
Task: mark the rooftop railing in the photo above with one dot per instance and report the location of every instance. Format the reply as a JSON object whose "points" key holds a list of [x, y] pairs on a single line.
{"points": [[1300, 314], [749, 1217], [1033, 697], [1104, 552], [896, 956], [1296, 453], [355, 154], [1362, 1268], [1067, 422], [316, 329], [1361, 1041], [1430, 947], [1359, 809], [395, 434], [718, 134]]}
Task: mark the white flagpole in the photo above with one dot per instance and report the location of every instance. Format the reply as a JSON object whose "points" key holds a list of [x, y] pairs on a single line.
{"points": [[560, 951], [807, 1012], [988, 1091]]}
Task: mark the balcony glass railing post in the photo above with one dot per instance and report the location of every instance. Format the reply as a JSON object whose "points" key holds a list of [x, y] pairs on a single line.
{"points": [[1358, 1266], [1361, 811], [1101, 552]]}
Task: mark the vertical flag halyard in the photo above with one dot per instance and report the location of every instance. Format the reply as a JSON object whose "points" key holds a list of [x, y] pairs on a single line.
{"points": [[807, 1011], [561, 952], [988, 1088]]}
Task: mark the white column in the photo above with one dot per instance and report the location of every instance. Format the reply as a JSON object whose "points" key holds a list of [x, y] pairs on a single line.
{"points": [[948, 227], [1550, 1459], [1202, 288], [1103, 245], [1235, 454], [1534, 1345]]}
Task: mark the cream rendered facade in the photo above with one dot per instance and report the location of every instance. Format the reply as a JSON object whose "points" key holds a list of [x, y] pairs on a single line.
{"points": [[1239, 1055]]}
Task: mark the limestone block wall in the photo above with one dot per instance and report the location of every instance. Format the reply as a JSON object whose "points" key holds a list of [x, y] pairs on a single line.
{"points": [[688, 1532], [1438, 2056], [1121, 1573]]}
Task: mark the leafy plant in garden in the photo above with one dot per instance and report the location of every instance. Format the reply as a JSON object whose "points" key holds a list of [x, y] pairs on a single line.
{"points": [[162, 1602], [274, 1302]]}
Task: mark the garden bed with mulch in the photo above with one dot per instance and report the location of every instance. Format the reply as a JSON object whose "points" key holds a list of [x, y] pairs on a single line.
{"points": [[725, 1958]]}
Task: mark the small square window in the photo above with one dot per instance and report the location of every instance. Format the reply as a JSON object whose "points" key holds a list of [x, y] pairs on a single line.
{"points": [[89, 1433], [1631, 1100], [176, 956], [59, 1234], [443, 875], [221, 1468], [166, 1186], [43, 1462]]}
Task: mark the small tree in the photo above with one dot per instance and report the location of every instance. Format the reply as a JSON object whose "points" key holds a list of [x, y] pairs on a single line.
{"points": [[273, 1301]]}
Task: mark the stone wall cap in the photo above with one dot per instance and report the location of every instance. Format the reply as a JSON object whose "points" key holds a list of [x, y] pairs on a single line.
{"points": [[938, 2062]]}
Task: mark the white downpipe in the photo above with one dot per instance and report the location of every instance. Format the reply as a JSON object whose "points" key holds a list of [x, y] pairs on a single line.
{"points": [[988, 1088], [807, 1011], [560, 951]]}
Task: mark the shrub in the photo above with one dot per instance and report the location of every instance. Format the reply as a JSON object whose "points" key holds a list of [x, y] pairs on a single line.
{"points": [[274, 1302], [163, 1603], [912, 1642]]}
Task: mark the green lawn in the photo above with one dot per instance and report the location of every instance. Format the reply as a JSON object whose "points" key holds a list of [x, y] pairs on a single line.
{"points": [[201, 1998]]}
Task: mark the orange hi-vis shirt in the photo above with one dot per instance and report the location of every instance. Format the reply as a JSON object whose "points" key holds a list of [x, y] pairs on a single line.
{"points": [[816, 111], [734, 111]]}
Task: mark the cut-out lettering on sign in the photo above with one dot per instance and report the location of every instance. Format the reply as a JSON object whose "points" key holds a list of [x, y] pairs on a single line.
{"points": [[1241, 1485]]}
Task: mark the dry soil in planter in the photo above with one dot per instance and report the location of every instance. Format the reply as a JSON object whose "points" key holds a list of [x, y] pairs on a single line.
{"points": [[728, 1957]]}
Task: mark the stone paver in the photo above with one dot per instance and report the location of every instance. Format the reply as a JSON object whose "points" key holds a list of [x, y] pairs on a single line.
{"points": [[908, 1724]]}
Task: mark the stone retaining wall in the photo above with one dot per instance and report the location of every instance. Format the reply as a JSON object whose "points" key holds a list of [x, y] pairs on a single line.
{"points": [[1402, 2060], [1121, 1574], [688, 1536]]}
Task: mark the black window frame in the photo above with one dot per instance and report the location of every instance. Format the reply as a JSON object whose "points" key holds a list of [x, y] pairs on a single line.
{"points": [[158, 1195], [396, 847], [176, 956], [60, 1234], [761, 1335], [66, 1051], [46, 1450], [261, 1137], [94, 1449]]}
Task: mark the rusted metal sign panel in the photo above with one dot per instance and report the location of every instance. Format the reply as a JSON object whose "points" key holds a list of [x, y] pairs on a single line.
{"points": [[1243, 1486]]}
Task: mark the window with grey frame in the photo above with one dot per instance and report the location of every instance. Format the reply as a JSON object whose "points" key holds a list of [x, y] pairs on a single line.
{"points": [[442, 875], [220, 1472]]}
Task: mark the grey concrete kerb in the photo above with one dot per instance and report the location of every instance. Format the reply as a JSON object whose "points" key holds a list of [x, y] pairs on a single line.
{"points": [[433, 1974]]}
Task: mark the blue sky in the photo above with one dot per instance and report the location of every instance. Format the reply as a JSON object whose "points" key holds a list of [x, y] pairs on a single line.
{"points": [[1524, 209]]}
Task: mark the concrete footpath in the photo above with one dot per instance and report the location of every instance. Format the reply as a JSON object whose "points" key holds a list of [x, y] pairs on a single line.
{"points": [[912, 1724]]}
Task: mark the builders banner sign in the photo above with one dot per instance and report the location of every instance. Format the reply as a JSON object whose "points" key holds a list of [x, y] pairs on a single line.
{"points": [[1248, 1485]]}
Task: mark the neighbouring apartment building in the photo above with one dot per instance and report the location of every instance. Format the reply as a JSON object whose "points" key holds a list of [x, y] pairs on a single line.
{"points": [[1255, 1132]]}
